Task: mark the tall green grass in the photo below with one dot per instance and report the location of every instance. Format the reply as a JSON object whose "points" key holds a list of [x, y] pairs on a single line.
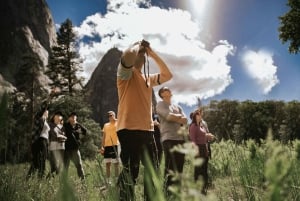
{"points": [[269, 171]]}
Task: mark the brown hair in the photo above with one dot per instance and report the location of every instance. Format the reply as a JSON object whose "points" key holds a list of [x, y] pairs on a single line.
{"points": [[197, 112], [163, 89]]}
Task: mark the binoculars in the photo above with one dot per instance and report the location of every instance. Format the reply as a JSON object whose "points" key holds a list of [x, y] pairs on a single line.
{"points": [[145, 43]]}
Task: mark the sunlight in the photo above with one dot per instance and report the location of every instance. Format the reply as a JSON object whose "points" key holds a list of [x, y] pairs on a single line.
{"points": [[202, 12], [198, 8]]}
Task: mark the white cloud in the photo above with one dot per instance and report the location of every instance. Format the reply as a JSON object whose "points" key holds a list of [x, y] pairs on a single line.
{"points": [[260, 66], [197, 72]]}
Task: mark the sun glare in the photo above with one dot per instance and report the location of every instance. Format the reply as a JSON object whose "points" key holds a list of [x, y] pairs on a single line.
{"points": [[198, 8]]}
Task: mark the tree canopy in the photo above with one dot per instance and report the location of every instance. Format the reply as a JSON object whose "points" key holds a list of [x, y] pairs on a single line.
{"points": [[64, 61], [289, 30]]}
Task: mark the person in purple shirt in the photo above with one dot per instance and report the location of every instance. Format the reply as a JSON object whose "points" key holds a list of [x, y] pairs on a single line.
{"points": [[200, 136]]}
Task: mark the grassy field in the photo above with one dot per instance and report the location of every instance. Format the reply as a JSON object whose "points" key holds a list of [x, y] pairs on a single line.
{"points": [[237, 172]]}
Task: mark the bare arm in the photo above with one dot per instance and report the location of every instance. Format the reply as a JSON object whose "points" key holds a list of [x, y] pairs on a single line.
{"points": [[179, 118], [129, 57], [165, 73]]}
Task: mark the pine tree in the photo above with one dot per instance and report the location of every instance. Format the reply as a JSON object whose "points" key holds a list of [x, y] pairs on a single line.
{"points": [[64, 61], [28, 79]]}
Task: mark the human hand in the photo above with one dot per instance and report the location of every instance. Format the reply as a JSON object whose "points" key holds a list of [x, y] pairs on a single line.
{"points": [[101, 150], [61, 138], [210, 136], [145, 43], [156, 123]]}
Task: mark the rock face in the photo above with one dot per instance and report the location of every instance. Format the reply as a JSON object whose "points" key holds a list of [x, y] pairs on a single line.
{"points": [[101, 89], [27, 28]]}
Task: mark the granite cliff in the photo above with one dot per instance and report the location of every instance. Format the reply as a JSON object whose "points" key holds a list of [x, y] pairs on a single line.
{"points": [[27, 28]]}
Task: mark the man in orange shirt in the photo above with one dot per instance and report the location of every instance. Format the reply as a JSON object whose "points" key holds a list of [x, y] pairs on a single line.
{"points": [[110, 144], [135, 125]]}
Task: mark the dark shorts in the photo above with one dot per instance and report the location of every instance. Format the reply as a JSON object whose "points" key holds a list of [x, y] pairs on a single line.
{"points": [[111, 152]]}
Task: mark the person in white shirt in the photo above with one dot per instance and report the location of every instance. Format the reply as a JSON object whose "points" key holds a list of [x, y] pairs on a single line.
{"points": [[57, 140], [39, 146]]}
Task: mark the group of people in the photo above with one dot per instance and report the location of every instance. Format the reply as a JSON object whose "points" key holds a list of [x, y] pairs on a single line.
{"points": [[135, 128], [57, 141], [142, 130]]}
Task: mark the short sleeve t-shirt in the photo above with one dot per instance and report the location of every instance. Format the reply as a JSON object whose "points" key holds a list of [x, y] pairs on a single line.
{"points": [[111, 138], [135, 101], [169, 129]]}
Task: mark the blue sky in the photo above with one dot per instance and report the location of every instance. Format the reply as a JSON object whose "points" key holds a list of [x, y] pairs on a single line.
{"points": [[216, 49]]}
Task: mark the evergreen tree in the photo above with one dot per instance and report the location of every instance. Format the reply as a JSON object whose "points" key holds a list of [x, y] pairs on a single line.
{"points": [[19, 128], [28, 79], [64, 62], [289, 29]]}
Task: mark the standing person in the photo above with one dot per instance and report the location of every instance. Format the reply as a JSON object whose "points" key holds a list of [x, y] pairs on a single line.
{"points": [[204, 123], [57, 140], [200, 136], [110, 144], [73, 131], [171, 118], [135, 125], [39, 147]]}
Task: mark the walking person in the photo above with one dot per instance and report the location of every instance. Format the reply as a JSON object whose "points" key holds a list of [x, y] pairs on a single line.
{"points": [[57, 140], [110, 144], [135, 125], [172, 118], [74, 130], [39, 146], [200, 136]]}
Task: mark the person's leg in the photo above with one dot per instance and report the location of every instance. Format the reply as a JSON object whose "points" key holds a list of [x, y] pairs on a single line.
{"points": [[58, 160], [158, 147], [52, 162], [130, 150], [43, 156], [167, 145], [67, 159], [197, 171], [204, 173], [109, 154], [61, 154], [76, 158], [173, 163], [150, 162], [115, 160]]}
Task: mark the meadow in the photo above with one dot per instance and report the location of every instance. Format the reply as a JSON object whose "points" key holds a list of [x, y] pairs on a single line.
{"points": [[248, 171]]}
